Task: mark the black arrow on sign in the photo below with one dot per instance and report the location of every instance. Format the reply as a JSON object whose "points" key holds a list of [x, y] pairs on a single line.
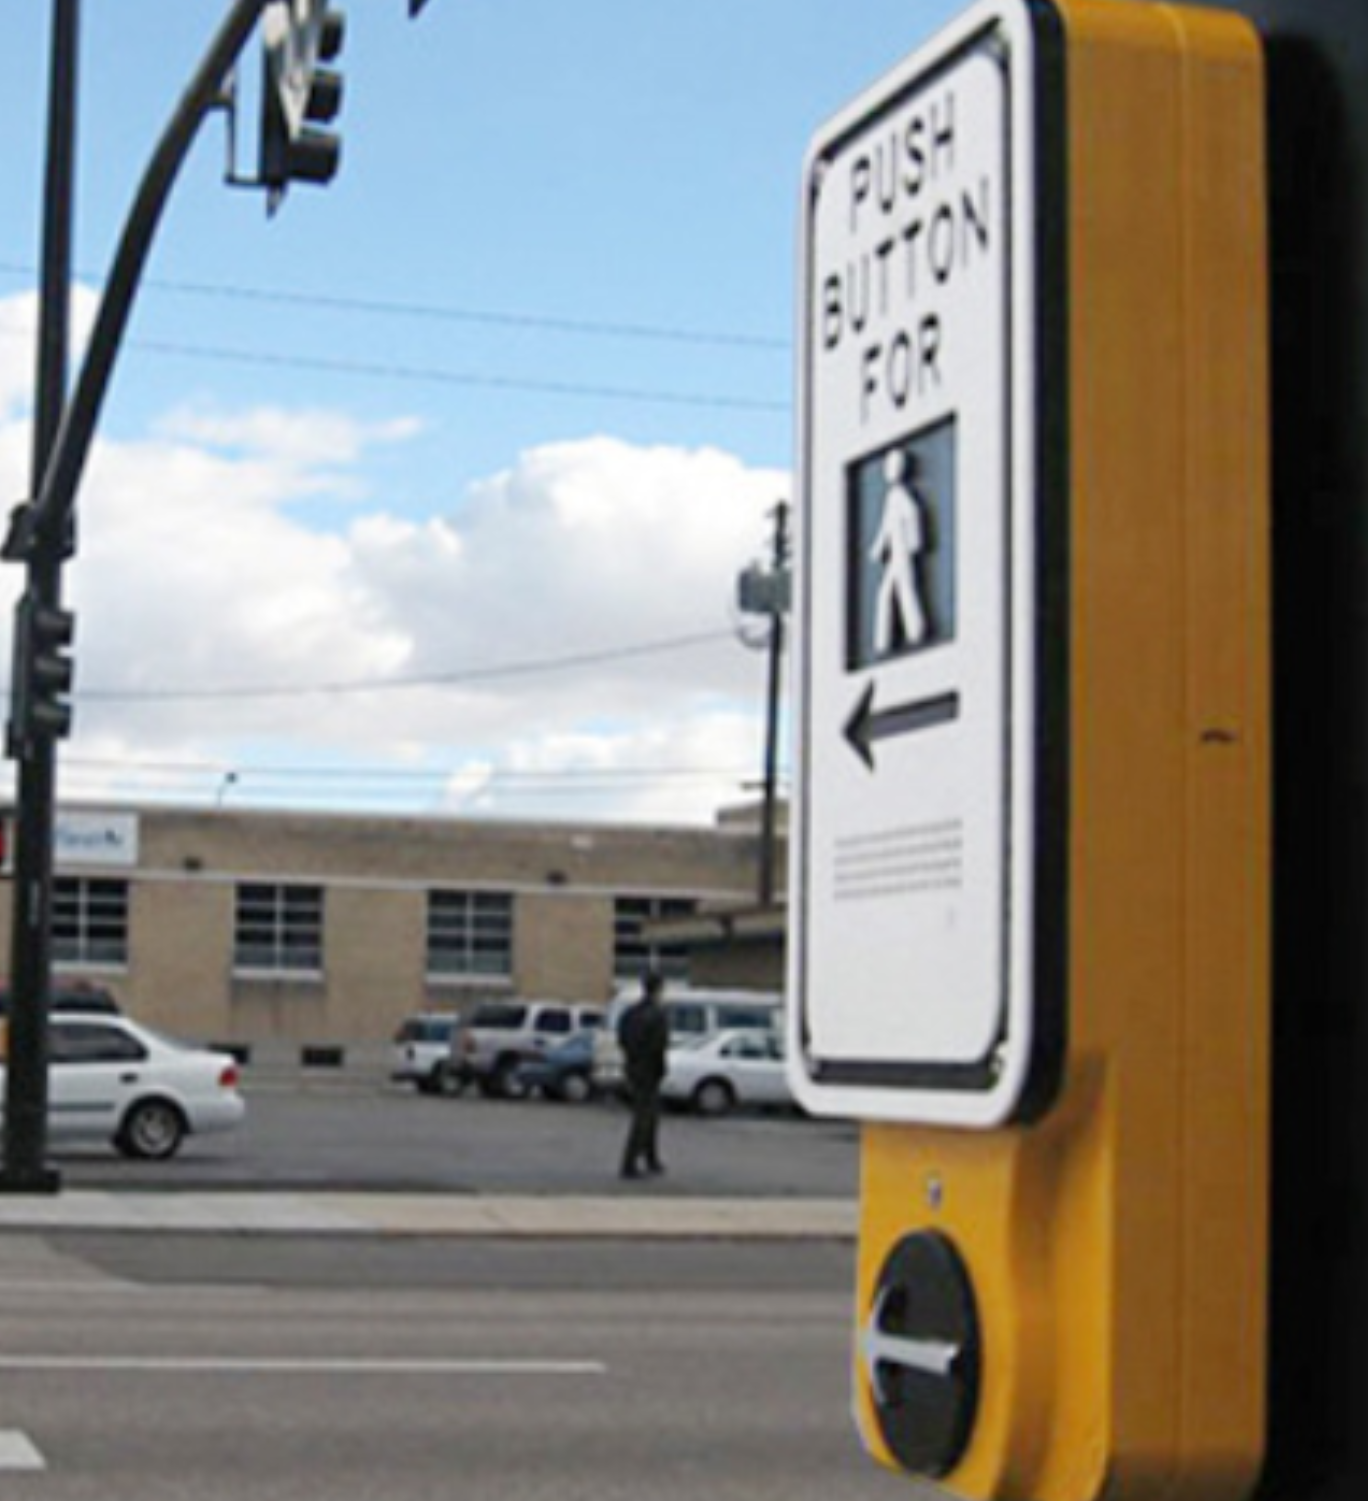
{"points": [[866, 724]]}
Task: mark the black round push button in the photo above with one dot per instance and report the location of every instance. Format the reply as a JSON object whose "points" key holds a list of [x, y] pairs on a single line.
{"points": [[922, 1354]]}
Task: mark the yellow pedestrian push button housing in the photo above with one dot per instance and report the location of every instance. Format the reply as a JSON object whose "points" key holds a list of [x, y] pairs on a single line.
{"points": [[1029, 898]]}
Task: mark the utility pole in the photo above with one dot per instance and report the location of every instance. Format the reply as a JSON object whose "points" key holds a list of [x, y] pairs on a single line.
{"points": [[779, 603], [765, 591], [41, 536]]}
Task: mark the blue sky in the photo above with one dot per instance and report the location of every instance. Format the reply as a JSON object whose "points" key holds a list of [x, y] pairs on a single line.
{"points": [[513, 392]]}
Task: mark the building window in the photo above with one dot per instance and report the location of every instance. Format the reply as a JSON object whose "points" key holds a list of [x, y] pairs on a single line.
{"points": [[279, 929], [469, 933], [89, 921], [633, 952]]}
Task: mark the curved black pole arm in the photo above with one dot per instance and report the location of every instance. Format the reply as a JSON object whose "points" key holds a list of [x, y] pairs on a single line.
{"points": [[44, 523]]}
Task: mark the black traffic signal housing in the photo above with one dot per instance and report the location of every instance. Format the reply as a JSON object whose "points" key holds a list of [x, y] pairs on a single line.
{"points": [[43, 671], [300, 97]]}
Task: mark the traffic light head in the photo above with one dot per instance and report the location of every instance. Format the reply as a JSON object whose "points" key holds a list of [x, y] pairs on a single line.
{"points": [[43, 671], [300, 96]]}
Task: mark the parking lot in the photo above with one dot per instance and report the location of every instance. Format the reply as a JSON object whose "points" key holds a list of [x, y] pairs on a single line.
{"points": [[355, 1130]]}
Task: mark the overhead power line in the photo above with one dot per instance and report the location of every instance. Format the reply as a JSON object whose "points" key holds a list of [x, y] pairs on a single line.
{"points": [[363, 788], [427, 311], [436, 375], [503, 776], [454, 678], [432, 375]]}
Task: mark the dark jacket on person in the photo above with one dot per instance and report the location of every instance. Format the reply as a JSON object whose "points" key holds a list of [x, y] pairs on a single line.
{"points": [[644, 1033]]}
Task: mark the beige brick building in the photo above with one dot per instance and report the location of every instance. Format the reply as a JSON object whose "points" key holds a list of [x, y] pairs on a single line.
{"points": [[259, 928]]}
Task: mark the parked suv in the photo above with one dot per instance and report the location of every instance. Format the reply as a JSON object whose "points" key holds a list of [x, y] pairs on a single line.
{"points": [[421, 1053], [499, 1035]]}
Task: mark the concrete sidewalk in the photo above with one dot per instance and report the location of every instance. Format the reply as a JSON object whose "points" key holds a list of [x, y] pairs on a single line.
{"points": [[541, 1217]]}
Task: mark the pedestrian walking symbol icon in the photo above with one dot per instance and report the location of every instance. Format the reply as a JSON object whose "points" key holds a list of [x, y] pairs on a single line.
{"points": [[902, 585], [899, 614]]}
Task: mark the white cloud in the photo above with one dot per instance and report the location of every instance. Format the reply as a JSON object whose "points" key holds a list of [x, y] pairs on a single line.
{"points": [[698, 761], [18, 328], [18, 318], [317, 448], [197, 571], [581, 547]]}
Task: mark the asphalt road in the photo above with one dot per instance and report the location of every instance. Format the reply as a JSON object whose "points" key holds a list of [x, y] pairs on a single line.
{"points": [[367, 1134], [171, 1369], [222, 1367]]}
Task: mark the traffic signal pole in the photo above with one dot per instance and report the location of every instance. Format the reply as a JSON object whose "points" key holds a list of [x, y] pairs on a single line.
{"points": [[41, 532], [51, 511], [25, 1169], [58, 216]]}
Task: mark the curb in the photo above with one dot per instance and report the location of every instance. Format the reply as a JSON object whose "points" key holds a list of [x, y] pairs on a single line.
{"points": [[434, 1215]]}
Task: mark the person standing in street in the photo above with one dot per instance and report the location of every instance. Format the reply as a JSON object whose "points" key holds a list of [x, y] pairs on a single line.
{"points": [[644, 1033]]}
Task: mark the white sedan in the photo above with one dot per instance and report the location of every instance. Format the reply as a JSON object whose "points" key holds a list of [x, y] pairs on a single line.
{"points": [[110, 1079], [714, 1074]]}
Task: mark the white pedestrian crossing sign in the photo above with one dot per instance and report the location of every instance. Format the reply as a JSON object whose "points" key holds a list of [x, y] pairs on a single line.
{"points": [[915, 827]]}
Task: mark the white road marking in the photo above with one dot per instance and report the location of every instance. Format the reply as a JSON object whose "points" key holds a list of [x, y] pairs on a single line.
{"points": [[18, 1453], [231, 1365]]}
